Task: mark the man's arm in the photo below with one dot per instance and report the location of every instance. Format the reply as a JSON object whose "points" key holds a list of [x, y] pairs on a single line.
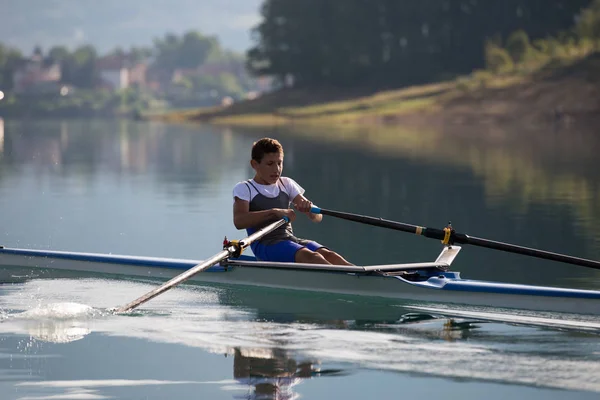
{"points": [[243, 218], [302, 204]]}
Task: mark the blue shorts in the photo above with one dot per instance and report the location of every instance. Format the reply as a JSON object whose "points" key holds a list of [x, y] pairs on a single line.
{"points": [[284, 251]]}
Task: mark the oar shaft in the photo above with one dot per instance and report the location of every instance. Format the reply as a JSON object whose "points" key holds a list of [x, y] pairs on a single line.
{"points": [[175, 281], [527, 251], [459, 238], [217, 258]]}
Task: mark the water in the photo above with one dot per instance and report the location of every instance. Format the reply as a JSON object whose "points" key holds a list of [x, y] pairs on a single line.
{"points": [[159, 190]]}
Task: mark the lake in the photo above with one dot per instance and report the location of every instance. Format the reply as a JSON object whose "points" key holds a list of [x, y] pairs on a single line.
{"points": [[153, 189]]}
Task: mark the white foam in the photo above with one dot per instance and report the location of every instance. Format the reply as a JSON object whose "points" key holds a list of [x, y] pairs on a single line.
{"points": [[58, 311]]}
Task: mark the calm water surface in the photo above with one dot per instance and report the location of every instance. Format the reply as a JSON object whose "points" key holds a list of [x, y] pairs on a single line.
{"points": [[159, 190]]}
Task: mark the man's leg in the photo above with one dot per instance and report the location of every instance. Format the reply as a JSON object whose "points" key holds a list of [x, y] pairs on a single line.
{"points": [[288, 251], [307, 256], [332, 257]]}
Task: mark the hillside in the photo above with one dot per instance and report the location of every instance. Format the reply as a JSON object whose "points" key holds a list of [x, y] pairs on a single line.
{"points": [[570, 93], [107, 24], [566, 92]]}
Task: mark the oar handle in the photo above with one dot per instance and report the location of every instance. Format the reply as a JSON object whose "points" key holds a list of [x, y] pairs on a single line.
{"points": [[384, 223]]}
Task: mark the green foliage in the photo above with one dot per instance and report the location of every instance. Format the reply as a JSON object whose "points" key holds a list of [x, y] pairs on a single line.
{"points": [[224, 84], [542, 46], [497, 59], [463, 85], [396, 42], [549, 52], [482, 77], [9, 59], [588, 25], [229, 84], [189, 51], [555, 48], [139, 54], [80, 103], [518, 46], [58, 54], [81, 66]]}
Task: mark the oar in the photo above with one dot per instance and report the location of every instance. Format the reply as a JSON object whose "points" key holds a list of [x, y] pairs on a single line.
{"points": [[449, 236], [234, 248]]}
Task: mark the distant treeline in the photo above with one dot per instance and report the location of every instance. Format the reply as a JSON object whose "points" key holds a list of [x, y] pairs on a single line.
{"points": [[171, 52], [399, 42]]}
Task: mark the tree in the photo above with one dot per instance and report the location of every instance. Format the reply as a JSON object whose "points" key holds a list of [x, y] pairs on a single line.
{"points": [[588, 25], [194, 49], [497, 59], [518, 46], [167, 52], [58, 54], [393, 42], [189, 51], [81, 67], [9, 60], [139, 54]]}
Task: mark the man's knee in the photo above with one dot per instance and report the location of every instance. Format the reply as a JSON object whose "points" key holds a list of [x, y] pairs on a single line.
{"points": [[326, 253], [308, 256], [329, 255]]}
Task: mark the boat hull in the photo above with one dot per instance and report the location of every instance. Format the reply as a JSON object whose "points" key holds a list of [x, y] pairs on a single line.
{"points": [[441, 287]]}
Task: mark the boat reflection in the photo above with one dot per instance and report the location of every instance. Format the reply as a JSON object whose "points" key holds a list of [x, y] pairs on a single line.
{"points": [[273, 373], [334, 311]]}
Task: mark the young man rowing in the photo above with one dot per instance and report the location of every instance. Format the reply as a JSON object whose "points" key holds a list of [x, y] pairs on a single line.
{"points": [[267, 198]]}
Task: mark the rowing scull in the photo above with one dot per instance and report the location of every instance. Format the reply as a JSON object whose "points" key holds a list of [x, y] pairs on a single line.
{"points": [[429, 282]]}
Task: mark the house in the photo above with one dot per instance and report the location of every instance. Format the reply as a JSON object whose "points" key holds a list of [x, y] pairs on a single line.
{"points": [[112, 72], [137, 74], [158, 79], [180, 73], [117, 72], [36, 75]]}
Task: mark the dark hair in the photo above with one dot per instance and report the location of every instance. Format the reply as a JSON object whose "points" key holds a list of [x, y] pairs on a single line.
{"points": [[264, 146]]}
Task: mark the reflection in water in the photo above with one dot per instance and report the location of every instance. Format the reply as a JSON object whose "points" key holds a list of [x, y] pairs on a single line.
{"points": [[1, 137], [523, 168], [57, 331], [89, 148], [92, 388], [432, 183], [272, 373], [276, 340], [56, 322], [519, 169]]}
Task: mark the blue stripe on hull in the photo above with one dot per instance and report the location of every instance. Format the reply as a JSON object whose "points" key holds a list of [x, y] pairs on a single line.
{"points": [[466, 285], [125, 260]]}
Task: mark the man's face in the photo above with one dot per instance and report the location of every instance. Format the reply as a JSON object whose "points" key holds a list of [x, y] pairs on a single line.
{"points": [[269, 169]]}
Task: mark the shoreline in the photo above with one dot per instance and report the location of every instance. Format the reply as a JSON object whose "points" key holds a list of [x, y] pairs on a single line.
{"points": [[566, 95]]}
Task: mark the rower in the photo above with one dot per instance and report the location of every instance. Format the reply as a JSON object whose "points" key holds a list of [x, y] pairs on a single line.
{"points": [[267, 197]]}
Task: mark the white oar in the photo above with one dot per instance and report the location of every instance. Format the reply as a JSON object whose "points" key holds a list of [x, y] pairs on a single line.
{"points": [[232, 248]]}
